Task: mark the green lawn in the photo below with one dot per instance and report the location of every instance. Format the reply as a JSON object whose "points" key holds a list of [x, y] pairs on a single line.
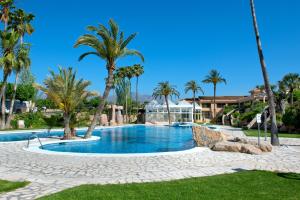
{"points": [[6, 186], [252, 132], [240, 185]]}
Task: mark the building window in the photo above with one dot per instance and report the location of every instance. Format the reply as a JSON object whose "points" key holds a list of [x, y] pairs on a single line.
{"points": [[206, 114], [206, 105]]}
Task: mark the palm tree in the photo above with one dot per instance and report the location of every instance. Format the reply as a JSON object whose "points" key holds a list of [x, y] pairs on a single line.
{"points": [[66, 92], [291, 82], [165, 90], [9, 47], [5, 12], [22, 63], [122, 73], [138, 71], [110, 47], [20, 22], [271, 102], [214, 77], [195, 88]]}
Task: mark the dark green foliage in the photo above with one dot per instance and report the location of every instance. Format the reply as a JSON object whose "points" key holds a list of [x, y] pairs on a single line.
{"points": [[241, 185], [40, 103], [25, 92], [31, 120], [291, 118], [54, 121]]}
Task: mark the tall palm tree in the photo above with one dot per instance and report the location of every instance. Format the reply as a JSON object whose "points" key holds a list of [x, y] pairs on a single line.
{"points": [[20, 22], [122, 73], [66, 92], [291, 81], [138, 71], [214, 77], [165, 90], [22, 63], [9, 46], [271, 102], [6, 6], [110, 45], [195, 88]]}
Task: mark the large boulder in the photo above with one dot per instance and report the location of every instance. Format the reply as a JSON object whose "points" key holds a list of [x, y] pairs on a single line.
{"points": [[227, 146], [264, 146], [206, 137], [250, 149]]}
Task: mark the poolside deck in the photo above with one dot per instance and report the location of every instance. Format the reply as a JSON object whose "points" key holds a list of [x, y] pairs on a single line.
{"points": [[52, 173]]}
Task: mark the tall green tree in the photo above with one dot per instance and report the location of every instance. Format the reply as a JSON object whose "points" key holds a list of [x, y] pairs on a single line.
{"points": [[291, 81], [215, 78], [138, 70], [109, 45], [124, 86], [22, 63], [67, 93], [6, 6], [165, 90], [195, 88], [271, 102], [9, 47]]}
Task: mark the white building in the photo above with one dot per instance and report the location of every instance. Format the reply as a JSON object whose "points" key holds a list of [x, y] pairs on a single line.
{"points": [[182, 111]]}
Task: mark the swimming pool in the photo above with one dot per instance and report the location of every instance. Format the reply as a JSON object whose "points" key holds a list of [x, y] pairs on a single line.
{"points": [[131, 139], [10, 137]]}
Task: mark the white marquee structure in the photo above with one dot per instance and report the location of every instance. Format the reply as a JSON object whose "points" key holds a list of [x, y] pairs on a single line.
{"points": [[182, 111]]}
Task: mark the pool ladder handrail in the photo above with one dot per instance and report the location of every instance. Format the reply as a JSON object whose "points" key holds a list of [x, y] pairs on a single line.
{"points": [[32, 136]]}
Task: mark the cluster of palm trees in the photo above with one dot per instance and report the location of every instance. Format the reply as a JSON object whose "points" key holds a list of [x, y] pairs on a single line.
{"points": [[14, 51], [120, 77], [164, 90]]}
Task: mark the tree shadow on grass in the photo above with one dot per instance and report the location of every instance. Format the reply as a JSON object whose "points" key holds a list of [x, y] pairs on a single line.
{"points": [[289, 176]]}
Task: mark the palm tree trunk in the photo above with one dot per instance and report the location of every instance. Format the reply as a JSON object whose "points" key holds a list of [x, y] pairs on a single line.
{"points": [[126, 105], [12, 102], [3, 101], [67, 132], [100, 108], [137, 94], [194, 107], [274, 129], [130, 100], [215, 90], [168, 110]]}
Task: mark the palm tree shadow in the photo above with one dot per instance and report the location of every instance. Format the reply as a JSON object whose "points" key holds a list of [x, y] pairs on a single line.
{"points": [[294, 176]]}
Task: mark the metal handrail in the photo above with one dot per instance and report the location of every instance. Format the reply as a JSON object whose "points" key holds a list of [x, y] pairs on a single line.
{"points": [[34, 134]]}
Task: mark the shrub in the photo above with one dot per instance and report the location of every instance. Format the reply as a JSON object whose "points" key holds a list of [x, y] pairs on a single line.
{"points": [[31, 120], [291, 118]]}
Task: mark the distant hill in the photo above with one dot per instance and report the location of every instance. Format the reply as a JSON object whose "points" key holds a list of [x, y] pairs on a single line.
{"points": [[142, 98]]}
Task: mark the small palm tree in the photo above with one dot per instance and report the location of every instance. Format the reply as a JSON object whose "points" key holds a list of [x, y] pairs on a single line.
{"points": [[214, 77], [165, 90], [110, 45], [195, 88], [291, 82], [66, 92], [138, 71], [123, 73]]}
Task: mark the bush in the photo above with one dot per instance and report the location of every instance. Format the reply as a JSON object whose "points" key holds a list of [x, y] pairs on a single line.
{"points": [[40, 103], [31, 120], [291, 118], [54, 121]]}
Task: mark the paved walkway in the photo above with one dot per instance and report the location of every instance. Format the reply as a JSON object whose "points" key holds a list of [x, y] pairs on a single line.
{"points": [[52, 173]]}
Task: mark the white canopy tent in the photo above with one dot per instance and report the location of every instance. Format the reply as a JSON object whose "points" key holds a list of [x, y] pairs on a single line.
{"points": [[182, 111]]}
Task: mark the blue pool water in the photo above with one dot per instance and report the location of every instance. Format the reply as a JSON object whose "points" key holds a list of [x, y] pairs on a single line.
{"points": [[9, 137], [133, 139]]}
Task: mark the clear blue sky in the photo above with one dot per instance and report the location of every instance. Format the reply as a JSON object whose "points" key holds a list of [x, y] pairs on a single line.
{"points": [[181, 40]]}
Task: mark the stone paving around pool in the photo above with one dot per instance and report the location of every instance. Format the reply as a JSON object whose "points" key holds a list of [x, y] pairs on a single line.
{"points": [[52, 173]]}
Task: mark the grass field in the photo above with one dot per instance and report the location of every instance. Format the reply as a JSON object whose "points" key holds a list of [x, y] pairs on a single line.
{"points": [[240, 185], [252, 132], [6, 186]]}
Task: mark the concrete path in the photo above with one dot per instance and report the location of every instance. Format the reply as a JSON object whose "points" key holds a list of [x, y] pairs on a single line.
{"points": [[52, 173]]}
